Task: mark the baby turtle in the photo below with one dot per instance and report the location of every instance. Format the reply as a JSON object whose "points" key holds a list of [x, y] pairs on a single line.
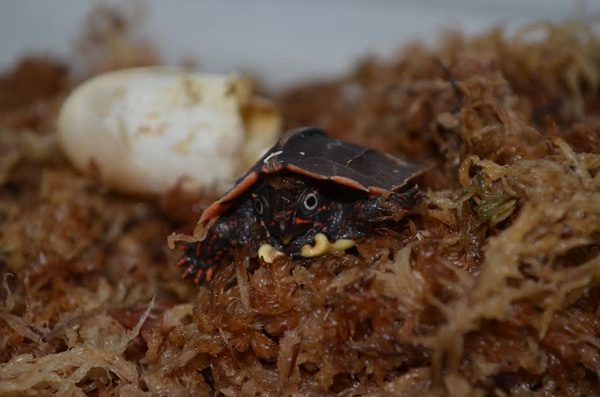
{"points": [[308, 189]]}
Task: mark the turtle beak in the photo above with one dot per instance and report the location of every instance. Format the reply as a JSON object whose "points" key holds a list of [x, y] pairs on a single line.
{"points": [[288, 230], [286, 239], [285, 235]]}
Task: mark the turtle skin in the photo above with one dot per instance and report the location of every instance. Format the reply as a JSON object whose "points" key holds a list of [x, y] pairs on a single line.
{"points": [[308, 183]]}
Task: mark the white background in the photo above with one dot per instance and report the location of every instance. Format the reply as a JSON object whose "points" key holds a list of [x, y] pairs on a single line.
{"points": [[283, 41]]}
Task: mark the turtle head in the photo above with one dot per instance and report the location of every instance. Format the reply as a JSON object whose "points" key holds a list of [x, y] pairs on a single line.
{"points": [[287, 206]]}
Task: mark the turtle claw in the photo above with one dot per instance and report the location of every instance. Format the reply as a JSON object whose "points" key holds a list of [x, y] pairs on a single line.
{"points": [[323, 246]]}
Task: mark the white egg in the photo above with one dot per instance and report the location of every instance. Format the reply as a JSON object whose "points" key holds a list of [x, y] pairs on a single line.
{"points": [[146, 130]]}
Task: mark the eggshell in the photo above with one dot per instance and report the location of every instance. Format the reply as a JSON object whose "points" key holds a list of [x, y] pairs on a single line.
{"points": [[146, 130]]}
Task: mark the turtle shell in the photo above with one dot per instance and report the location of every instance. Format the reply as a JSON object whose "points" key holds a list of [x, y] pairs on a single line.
{"points": [[311, 152]]}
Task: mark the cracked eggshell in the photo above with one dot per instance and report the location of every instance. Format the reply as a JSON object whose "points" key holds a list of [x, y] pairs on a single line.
{"points": [[147, 130]]}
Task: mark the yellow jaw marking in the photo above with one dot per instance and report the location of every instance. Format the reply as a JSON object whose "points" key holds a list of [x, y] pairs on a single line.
{"points": [[268, 253], [323, 246]]}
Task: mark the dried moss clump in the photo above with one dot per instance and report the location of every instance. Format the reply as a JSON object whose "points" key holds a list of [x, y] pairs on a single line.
{"points": [[491, 289]]}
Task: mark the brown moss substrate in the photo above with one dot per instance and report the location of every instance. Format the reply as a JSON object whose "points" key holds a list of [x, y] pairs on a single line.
{"points": [[492, 289]]}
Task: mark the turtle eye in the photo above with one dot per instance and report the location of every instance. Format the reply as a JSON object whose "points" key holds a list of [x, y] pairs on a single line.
{"points": [[258, 205], [310, 201]]}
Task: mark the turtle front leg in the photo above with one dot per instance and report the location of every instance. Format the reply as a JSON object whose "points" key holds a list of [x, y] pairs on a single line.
{"points": [[364, 214], [195, 267], [201, 258], [408, 199]]}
